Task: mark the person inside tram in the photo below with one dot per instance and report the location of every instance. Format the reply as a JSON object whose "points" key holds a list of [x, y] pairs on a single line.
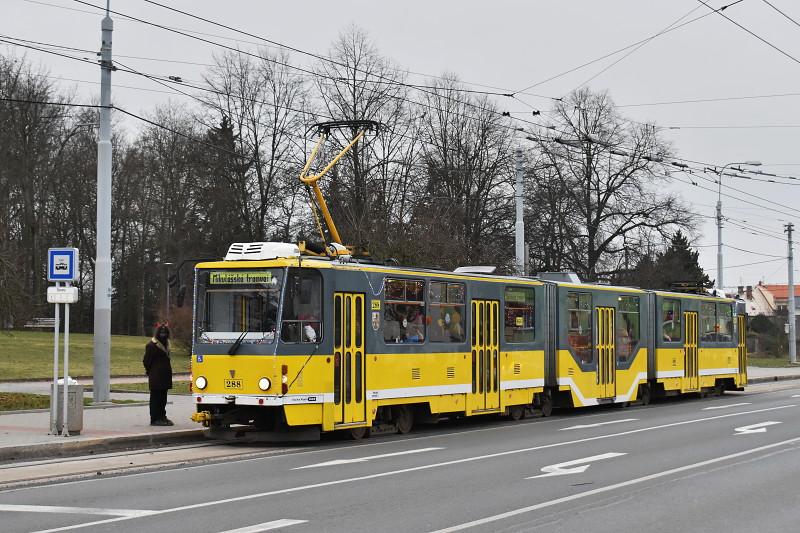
{"points": [[415, 325]]}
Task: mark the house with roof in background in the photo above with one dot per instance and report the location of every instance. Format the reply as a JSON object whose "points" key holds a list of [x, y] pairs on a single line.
{"points": [[768, 300]]}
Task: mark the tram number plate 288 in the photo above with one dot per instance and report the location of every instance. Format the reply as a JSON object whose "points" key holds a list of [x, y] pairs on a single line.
{"points": [[233, 383]]}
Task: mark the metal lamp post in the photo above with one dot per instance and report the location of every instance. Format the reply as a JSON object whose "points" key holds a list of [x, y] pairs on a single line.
{"points": [[720, 286], [166, 279]]}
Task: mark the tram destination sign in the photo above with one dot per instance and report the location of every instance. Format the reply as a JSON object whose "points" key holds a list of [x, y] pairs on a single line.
{"points": [[228, 277]]}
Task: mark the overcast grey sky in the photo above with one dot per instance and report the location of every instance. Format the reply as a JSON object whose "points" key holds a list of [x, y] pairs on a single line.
{"points": [[513, 45]]}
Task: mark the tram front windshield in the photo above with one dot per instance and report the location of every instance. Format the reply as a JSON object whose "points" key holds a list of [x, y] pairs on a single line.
{"points": [[238, 303]]}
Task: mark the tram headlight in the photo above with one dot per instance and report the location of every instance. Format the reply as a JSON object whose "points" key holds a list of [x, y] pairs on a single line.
{"points": [[201, 382], [264, 383]]}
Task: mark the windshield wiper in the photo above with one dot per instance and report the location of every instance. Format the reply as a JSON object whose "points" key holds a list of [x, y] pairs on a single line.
{"points": [[235, 346]]}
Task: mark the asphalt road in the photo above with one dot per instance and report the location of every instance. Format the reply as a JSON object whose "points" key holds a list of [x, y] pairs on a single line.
{"points": [[718, 464]]}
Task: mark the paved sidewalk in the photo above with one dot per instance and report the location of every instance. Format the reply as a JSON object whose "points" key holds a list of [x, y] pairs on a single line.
{"points": [[762, 375], [24, 435]]}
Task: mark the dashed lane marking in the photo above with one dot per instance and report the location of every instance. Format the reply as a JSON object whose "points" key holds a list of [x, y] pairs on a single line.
{"points": [[585, 426], [336, 462], [128, 513], [713, 407], [266, 526]]}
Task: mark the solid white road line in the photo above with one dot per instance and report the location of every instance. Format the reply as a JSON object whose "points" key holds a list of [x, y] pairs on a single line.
{"points": [[609, 488], [562, 469], [128, 513], [584, 426], [365, 459], [266, 526], [726, 406], [754, 428], [418, 468]]}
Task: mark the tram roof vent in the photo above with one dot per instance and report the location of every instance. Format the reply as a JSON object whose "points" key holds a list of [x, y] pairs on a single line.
{"points": [[255, 251], [564, 277], [477, 269]]}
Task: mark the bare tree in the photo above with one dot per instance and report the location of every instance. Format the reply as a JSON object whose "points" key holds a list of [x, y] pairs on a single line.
{"points": [[370, 189], [468, 152], [603, 192], [262, 101]]}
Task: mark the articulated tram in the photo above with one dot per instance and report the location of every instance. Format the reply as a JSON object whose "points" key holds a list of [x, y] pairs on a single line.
{"points": [[289, 345], [293, 340]]}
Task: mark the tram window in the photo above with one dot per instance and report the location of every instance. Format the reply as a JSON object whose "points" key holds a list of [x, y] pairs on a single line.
{"points": [[232, 302], [448, 302], [671, 321], [627, 326], [519, 314], [302, 307], [708, 322], [579, 326], [725, 322], [404, 311]]}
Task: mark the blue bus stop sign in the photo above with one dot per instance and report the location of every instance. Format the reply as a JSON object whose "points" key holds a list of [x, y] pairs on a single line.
{"points": [[62, 264]]}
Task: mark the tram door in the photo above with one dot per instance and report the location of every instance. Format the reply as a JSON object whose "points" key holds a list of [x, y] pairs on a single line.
{"points": [[742, 348], [349, 361], [690, 362], [606, 352], [485, 355]]}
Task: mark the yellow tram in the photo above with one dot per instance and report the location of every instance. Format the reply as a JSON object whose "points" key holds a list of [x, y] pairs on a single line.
{"points": [[290, 342]]}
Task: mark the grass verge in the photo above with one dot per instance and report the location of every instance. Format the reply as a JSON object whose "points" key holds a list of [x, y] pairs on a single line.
{"points": [[769, 362], [19, 401], [178, 387], [29, 355]]}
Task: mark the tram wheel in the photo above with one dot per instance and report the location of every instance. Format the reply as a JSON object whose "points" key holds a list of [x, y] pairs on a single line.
{"points": [[516, 412], [719, 388], [546, 404], [404, 419], [644, 394], [358, 433]]}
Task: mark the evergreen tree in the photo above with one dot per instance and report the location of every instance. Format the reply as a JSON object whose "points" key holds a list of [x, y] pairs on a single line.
{"points": [[678, 263]]}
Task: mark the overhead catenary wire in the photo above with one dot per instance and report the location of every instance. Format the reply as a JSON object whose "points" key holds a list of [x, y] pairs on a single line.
{"points": [[615, 52], [457, 90], [636, 48], [770, 4], [774, 47]]}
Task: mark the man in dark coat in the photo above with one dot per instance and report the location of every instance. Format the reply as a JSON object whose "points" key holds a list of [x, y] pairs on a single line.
{"points": [[159, 375]]}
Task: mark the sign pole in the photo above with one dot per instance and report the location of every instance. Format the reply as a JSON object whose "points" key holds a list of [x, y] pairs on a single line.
{"points": [[62, 267], [64, 428], [54, 394]]}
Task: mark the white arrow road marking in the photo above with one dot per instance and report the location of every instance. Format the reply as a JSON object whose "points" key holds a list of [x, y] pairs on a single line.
{"points": [[795, 395], [561, 468], [754, 428], [725, 406], [584, 426], [613, 488], [365, 459], [266, 526], [132, 513]]}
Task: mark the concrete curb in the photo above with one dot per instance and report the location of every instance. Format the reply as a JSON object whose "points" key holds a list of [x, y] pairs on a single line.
{"points": [[99, 445]]}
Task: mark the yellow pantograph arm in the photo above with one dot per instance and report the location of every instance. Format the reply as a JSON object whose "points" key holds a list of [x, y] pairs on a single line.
{"points": [[312, 181]]}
